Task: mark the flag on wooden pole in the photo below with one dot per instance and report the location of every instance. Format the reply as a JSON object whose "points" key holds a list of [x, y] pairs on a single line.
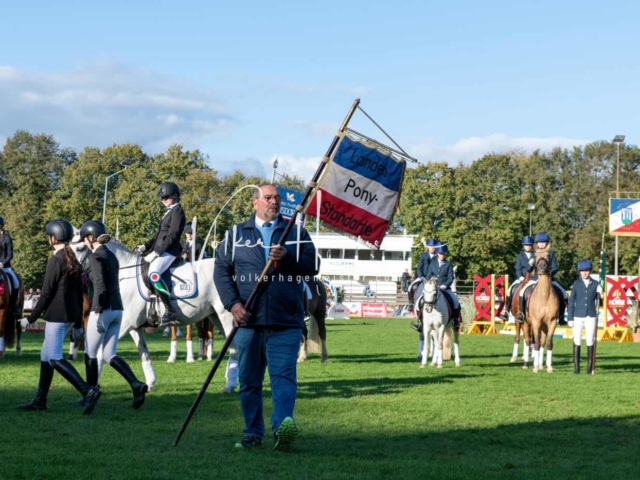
{"points": [[359, 191]]}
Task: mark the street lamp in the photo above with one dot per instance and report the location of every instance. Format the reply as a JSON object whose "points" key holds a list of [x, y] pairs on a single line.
{"points": [[531, 207], [275, 167], [618, 139], [125, 163]]}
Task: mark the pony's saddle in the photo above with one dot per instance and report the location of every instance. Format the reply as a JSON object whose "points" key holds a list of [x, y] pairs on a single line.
{"points": [[181, 280]]}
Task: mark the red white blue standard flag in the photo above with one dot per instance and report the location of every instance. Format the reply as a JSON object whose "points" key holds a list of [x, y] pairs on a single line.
{"points": [[359, 191]]}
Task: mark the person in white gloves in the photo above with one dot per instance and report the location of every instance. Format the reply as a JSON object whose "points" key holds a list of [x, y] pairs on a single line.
{"points": [[524, 264], [103, 327], [164, 247], [442, 270]]}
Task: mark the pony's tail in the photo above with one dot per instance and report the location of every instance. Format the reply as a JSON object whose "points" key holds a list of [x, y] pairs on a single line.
{"points": [[313, 339], [9, 330]]}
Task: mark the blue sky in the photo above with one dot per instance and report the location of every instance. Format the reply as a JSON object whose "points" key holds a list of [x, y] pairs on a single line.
{"points": [[248, 81]]}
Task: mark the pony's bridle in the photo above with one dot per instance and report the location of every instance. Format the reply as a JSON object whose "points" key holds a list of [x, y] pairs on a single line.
{"points": [[429, 305], [542, 266]]}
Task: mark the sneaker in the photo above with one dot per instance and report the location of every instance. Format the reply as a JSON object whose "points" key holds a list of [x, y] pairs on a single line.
{"points": [[285, 435], [249, 441]]}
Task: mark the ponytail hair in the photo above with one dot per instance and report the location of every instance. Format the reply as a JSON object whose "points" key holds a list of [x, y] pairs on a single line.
{"points": [[73, 266], [104, 238]]}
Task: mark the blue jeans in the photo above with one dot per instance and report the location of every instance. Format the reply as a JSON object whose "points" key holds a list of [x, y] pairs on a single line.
{"points": [[257, 350]]}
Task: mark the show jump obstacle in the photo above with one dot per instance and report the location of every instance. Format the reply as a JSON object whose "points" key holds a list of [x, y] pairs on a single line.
{"points": [[489, 298]]}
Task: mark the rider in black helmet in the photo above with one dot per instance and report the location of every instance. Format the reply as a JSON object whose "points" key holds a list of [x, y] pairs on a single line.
{"points": [[6, 255], [186, 246], [164, 247], [60, 304], [103, 328]]}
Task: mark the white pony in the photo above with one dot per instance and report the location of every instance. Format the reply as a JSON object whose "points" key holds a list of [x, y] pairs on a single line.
{"points": [[435, 320], [205, 303]]}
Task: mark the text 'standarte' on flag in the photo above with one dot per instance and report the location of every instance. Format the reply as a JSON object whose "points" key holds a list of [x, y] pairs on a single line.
{"points": [[359, 190]]}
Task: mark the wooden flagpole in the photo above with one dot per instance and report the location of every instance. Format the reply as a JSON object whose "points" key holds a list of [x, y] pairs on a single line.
{"points": [[311, 187]]}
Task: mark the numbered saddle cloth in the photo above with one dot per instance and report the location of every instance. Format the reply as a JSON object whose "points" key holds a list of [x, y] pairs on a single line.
{"points": [[182, 280]]}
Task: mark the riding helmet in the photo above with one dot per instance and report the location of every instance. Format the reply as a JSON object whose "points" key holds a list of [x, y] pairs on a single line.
{"points": [[442, 249], [60, 229], [187, 228], [168, 188], [585, 265], [92, 227], [527, 241], [1, 221], [542, 237], [432, 242]]}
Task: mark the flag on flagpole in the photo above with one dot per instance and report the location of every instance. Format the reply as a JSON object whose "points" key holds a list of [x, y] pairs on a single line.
{"points": [[359, 191]]}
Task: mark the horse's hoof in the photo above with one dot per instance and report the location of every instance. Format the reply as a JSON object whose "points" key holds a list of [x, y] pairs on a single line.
{"points": [[439, 366], [301, 360], [324, 360], [457, 364], [18, 353], [535, 370], [209, 359], [432, 364], [525, 367], [200, 359], [227, 390], [171, 360], [422, 365], [514, 359], [190, 360], [549, 370]]}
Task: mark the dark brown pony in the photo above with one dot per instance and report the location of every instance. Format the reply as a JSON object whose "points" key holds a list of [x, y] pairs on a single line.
{"points": [[315, 338], [515, 309], [542, 312], [8, 320], [205, 341]]}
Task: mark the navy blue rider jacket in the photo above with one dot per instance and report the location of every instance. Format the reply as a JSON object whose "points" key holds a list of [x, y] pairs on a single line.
{"points": [[423, 264], [444, 272], [522, 264], [279, 304], [583, 299], [6, 250]]}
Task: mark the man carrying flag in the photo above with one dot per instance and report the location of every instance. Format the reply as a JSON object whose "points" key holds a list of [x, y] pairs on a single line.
{"points": [[270, 331]]}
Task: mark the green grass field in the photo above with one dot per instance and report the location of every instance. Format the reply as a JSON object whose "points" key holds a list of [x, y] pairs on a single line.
{"points": [[368, 413]]}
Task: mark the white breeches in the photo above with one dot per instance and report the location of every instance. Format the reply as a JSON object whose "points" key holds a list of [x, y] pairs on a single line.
{"points": [[589, 324], [110, 321], [12, 276], [308, 290], [554, 283], [160, 265], [54, 335]]}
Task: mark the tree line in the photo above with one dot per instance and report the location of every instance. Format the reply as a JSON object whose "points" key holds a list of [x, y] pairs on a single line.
{"points": [[480, 210]]}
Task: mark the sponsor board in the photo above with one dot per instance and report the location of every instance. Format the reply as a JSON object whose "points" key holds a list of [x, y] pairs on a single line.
{"points": [[374, 310]]}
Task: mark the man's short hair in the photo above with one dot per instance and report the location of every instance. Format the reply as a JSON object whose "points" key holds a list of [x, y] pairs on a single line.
{"points": [[257, 193]]}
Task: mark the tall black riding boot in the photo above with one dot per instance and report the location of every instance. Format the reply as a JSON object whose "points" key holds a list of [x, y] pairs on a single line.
{"points": [[169, 313], [504, 315], [91, 368], [589, 359], [40, 401], [138, 388], [576, 359], [520, 316], [456, 319], [91, 394]]}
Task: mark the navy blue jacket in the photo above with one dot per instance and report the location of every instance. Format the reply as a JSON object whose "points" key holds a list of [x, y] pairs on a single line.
{"points": [[279, 304], [553, 267], [423, 264], [522, 264], [582, 301], [6, 250], [444, 272]]}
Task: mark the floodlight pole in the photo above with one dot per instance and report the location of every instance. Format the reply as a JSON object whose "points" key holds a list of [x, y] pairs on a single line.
{"points": [[106, 184], [618, 139]]}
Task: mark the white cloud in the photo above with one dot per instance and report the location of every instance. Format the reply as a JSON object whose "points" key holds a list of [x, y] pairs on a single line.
{"points": [[469, 149], [109, 103]]}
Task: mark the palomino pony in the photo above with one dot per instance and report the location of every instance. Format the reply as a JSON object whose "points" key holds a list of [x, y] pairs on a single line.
{"points": [[316, 335], [205, 303], [436, 319], [543, 311], [8, 321]]}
